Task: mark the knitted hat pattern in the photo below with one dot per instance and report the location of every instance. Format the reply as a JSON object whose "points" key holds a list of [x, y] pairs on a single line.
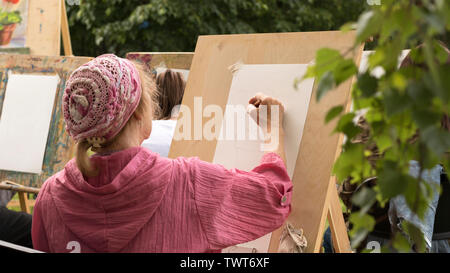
{"points": [[100, 97]]}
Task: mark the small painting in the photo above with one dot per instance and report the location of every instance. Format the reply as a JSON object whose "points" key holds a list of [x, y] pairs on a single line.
{"points": [[13, 23]]}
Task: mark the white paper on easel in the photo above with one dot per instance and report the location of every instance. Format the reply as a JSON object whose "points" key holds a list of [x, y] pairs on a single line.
{"points": [[25, 121], [276, 80]]}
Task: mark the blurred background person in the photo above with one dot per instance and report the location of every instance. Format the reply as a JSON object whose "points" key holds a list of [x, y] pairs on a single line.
{"points": [[171, 86]]}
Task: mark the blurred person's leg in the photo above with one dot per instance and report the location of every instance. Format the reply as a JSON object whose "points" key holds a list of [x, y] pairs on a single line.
{"points": [[440, 246], [5, 197], [399, 211], [15, 227], [328, 241]]}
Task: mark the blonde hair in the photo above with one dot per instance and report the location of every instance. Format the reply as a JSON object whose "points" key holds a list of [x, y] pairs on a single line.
{"points": [[149, 98]]}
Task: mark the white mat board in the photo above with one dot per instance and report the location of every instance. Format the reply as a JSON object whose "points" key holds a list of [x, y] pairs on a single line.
{"points": [[25, 121]]}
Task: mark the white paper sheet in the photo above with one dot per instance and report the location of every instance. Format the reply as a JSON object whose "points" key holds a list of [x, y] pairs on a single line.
{"points": [[276, 80], [25, 121]]}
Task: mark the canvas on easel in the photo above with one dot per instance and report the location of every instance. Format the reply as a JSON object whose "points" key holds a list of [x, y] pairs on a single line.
{"points": [[211, 80], [52, 73], [42, 25]]}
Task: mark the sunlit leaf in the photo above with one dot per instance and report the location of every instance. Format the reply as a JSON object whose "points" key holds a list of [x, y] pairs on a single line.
{"points": [[333, 112], [326, 83]]}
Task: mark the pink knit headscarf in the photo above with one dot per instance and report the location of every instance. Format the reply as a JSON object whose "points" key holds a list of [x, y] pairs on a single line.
{"points": [[100, 97]]}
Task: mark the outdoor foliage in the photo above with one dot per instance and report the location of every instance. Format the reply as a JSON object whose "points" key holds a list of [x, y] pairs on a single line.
{"points": [[396, 105], [121, 26]]}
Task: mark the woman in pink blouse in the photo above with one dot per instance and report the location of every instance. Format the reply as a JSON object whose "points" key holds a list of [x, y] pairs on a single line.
{"points": [[126, 198]]}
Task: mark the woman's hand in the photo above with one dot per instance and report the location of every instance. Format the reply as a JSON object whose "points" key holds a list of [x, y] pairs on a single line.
{"points": [[267, 112]]}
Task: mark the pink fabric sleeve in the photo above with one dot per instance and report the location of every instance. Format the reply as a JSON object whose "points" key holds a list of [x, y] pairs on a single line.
{"points": [[236, 206], [38, 233]]}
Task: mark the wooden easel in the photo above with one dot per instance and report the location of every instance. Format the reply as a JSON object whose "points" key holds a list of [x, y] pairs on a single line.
{"points": [[22, 192], [47, 20], [60, 148], [65, 30], [315, 195], [43, 38]]}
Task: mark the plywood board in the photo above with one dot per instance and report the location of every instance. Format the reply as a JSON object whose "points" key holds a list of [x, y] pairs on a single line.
{"points": [[44, 27], [59, 147], [210, 79]]}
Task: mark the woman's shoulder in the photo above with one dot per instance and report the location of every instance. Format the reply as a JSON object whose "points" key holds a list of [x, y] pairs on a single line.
{"points": [[68, 172], [50, 182]]}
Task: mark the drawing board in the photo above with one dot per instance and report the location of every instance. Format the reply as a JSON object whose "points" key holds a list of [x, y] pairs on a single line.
{"points": [[211, 79]]}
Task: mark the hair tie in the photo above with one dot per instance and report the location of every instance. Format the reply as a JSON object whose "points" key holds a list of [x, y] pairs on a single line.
{"points": [[96, 142]]}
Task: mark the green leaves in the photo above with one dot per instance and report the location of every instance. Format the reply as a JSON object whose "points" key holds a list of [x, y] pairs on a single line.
{"points": [[344, 70], [347, 126], [402, 107], [437, 140], [333, 113], [368, 24], [391, 180], [362, 225], [326, 61], [120, 26], [330, 69], [415, 235], [352, 163], [326, 83], [364, 199], [395, 102], [367, 84]]}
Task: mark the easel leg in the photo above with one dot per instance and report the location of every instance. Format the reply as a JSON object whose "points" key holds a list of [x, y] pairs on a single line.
{"points": [[275, 240], [23, 198], [341, 242], [65, 31]]}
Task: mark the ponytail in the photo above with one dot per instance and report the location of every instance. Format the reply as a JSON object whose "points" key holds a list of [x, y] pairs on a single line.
{"points": [[83, 161]]}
